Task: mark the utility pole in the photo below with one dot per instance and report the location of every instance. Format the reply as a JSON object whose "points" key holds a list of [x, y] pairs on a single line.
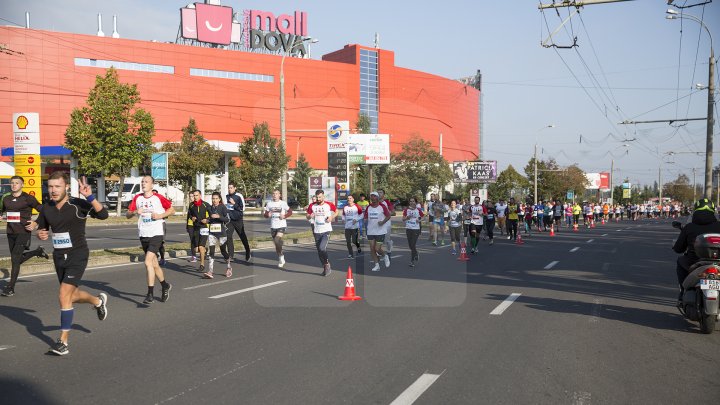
{"points": [[660, 184], [535, 164], [694, 187], [710, 123], [612, 190]]}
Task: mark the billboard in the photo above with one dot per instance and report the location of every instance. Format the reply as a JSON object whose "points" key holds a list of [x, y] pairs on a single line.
{"points": [[475, 171], [597, 181], [160, 165], [369, 149]]}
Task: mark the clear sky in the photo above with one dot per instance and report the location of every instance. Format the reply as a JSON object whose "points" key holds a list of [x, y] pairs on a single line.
{"points": [[630, 63]]}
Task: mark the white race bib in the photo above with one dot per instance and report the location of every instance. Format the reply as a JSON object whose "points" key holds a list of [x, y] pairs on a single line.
{"points": [[215, 228], [61, 240], [204, 231], [13, 217], [319, 220], [146, 218]]}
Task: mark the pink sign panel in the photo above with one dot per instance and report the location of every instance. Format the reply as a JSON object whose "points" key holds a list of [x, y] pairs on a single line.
{"points": [[214, 23], [189, 26]]}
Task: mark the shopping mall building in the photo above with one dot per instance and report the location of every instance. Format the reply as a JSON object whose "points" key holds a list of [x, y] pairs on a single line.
{"points": [[229, 83]]}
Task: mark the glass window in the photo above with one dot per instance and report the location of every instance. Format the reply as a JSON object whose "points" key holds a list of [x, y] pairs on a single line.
{"points": [[141, 67]]}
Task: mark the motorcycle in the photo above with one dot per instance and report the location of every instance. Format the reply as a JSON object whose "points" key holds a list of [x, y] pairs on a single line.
{"points": [[701, 286]]}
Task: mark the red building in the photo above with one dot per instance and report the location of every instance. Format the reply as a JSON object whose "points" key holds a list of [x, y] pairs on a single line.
{"points": [[228, 91]]}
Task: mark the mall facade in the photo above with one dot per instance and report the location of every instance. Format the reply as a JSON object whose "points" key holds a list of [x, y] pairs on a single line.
{"points": [[227, 91]]}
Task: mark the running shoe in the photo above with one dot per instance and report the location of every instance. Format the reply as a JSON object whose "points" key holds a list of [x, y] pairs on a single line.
{"points": [[390, 246], [281, 261], [492, 241], [248, 257], [411, 264], [228, 272], [193, 259], [59, 348], [161, 262], [359, 250], [149, 299], [434, 243], [386, 259], [8, 292], [509, 237], [166, 293], [102, 308], [326, 270], [201, 269], [351, 256], [454, 252], [208, 275], [211, 265], [376, 267], [42, 253], [442, 242]]}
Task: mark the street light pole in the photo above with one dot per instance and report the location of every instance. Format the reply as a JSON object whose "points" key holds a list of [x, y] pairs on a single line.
{"points": [[535, 195], [672, 14]]}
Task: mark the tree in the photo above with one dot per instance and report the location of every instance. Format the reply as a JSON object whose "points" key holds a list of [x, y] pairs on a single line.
{"points": [[417, 168], [509, 183], [110, 136], [299, 182], [362, 175], [262, 161], [191, 156], [679, 189], [553, 181]]}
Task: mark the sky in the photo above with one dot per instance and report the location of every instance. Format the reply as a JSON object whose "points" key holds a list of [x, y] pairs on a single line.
{"points": [[629, 63]]}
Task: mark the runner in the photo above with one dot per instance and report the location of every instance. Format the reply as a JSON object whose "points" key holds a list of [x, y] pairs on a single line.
{"points": [[412, 215], [18, 206], [199, 214], [439, 211], [218, 221], [322, 213], [477, 213], [376, 216], [278, 211], [557, 215], [363, 203], [352, 215], [432, 232], [236, 211], [66, 218], [152, 209], [490, 215], [466, 214], [388, 225], [500, 207], [455, 223], [191, 229], [161, 251], [540, 215], [576, 210], [511, 212]]}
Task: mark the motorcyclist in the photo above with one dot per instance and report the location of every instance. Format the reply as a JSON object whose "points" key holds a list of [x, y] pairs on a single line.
{"points": [[703, 221]]}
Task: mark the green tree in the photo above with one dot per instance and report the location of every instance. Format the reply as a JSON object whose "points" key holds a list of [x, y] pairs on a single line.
{"points": [[361, 180], [191, 156], [417, 168], [262, 161], [554, 181], [111, 135], [679, 189], [509, 183], [299, 182]]}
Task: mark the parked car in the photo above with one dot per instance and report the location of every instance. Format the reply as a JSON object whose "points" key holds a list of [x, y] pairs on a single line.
{"points": [[253, 202], [293, 203]]}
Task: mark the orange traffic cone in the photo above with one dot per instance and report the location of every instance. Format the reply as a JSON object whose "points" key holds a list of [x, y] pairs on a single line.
{"points": [[349, 288], [603, 220], [519, 240], [463, 253], [552, 230], [575, 228], [592, 223]]}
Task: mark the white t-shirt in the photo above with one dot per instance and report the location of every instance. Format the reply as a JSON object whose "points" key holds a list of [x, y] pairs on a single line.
{"points": [[352, 216], [414, 215], [155, 204], [477, 214], [500, 208], [323, 216], [278, 210], [374, 215], [455, 217]]}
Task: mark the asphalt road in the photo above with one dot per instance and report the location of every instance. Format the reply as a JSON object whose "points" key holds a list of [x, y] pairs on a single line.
{"points": [[579, 318], [121, 236]]}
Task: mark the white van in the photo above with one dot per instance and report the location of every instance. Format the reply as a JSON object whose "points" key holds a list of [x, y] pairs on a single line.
{"points": [[131, 187]]}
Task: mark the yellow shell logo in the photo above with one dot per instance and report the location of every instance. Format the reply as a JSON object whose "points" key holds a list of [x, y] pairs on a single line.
{"points": [[22, 122]]}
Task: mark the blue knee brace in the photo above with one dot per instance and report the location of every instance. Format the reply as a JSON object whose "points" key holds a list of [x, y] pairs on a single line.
{"points": [[66, 319]]}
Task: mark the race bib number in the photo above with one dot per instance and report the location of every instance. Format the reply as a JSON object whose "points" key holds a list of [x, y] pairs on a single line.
{"points": [[275, 215], [215, 228], [412, 222], [204, 231], [61, 240], [319, 220], [13, 217], [146, 218], [491, 216], [373, 215]]}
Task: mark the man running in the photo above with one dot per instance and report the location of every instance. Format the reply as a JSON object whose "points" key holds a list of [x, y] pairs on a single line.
{"points": [[322, 213], [66, 218], [388, 226], [151, 209], [18, 206], [476, 224], [363, 203], [557, 215], [352, 214], [278, 211], [199, 213], [500, 207], [454, 225], [376, 216], [432, 235], [236, 208], [412, 216], [190, 229], [439, 211]]}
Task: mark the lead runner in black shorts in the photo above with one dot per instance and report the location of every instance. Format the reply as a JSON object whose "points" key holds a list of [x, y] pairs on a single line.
{"points": [[63, 219]]}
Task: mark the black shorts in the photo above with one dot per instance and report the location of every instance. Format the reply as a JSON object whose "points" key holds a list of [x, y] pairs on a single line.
{"points": [[199, 240], [275, 231], [152, 243], [475, 228], [377, 238], [70, 266]]}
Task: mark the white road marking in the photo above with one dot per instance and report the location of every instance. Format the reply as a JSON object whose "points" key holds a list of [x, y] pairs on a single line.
{"points": [[551, 265], [217, 282], [5, 347], [505, 304], [618, 230], [248, 289], [416, 389], [604, 234], [575, 249], [590, 241]]}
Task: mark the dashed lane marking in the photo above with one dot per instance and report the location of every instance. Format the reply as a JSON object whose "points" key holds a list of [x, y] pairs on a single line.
{"points": [[505, 304], [257, 287], [416, 389], [217, 282], [5, 347], [551, 265], [604, 234], [575, 249], [590, 241]]}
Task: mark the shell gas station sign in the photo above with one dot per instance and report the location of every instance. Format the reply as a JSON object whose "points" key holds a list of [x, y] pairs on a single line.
{"points": [[26, 133]]}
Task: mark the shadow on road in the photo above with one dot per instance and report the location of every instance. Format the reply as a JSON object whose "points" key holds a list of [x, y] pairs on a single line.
{"points": [[33, 324], [19, 391]]}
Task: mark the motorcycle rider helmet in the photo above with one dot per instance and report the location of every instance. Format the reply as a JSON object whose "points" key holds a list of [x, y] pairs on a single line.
{"points": [[704, 204]]}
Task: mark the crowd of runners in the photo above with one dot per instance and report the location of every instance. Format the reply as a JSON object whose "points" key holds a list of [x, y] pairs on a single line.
{"points": [[212, 225]]}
